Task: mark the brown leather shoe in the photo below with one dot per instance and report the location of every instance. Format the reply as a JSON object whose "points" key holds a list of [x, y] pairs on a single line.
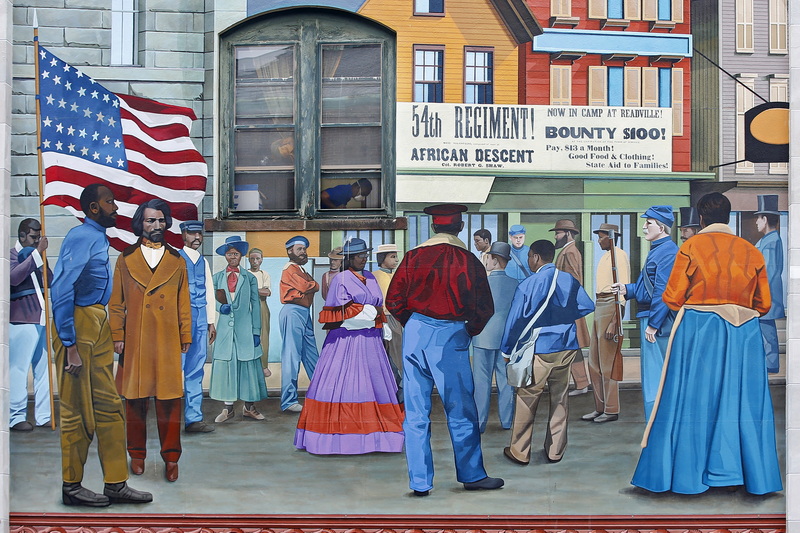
{"points": [[137, 466], [172, 471]]}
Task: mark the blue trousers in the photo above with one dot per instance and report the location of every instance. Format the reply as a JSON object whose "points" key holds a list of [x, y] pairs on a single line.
{"points": [[769, 334], [193, 363], [436, 352], [297, 332], [26, 351], [486, 363], [652, 361]]}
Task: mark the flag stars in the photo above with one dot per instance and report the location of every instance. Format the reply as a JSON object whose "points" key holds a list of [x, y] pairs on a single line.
{"points": [[62, 103], [112, 122], [96, 156], [71, 148], [68, 85], [74, 107], [60, 128], [100, 117], [117, 143], [95, 136], [106, 139], [120, 163], [50, 99], [87, 112], [79, 73], [66, 67], [57, 80], [53, 62], [70, 131], [45, 74], [84, 151], [116, 102], [46, 122], [59, 146], [43, 54], [106, 98], [94, 93], [109, 159], [82, 91], [46, 143], [82, 133]]}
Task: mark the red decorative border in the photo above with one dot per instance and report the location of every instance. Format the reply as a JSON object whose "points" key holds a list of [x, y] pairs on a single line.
{"points": [[127, 523]]}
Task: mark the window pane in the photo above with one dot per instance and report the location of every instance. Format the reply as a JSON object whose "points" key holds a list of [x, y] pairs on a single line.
{"points": [[338, 187], [264, 148], [615, 86], [351, 84], [351, 147], [615, 9], [256, 191], [264, 85]]}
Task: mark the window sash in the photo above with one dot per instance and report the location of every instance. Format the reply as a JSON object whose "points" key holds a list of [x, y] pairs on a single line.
{"points": [[633, 9], [677, 102], [744, 25], [478, 76], [598, 9], [124, 32], [560, 8], [429, 7], [744, 102], [616, 86], [778, 27], [429, 74], [633, 87], [649, 87]]}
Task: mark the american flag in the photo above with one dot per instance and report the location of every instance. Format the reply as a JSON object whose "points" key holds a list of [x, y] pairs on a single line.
{"points": [[139, 148]]}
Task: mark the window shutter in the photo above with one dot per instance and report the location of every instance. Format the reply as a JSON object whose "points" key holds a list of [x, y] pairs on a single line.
{"points": [[633, 87], [677, 101], [598, 9], [633, 9], [744, 25], [598, 86], [779, 92], [560, 85], [778, 18], [560, 8], [677, 10], [649, 9], [744, 102], [649, 87]]}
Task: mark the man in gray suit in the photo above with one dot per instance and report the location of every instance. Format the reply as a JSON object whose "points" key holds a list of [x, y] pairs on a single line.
{"points": [[486, 356]]}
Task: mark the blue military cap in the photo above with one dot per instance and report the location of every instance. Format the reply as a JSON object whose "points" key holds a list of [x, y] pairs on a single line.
{"points": [[234, 242], [355, 246], [662, 213], [516, 229], [191, 225], [297, 239]]}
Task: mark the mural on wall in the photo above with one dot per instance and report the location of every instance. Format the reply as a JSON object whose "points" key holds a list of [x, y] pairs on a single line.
{"points": [[541, 227]]}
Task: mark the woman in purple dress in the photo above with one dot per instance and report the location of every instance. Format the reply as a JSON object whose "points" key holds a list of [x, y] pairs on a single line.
{"points": [[351, 404]]}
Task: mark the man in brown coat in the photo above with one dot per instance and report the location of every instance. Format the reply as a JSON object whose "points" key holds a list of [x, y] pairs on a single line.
{"points": [[151, 325], [569, 260]]}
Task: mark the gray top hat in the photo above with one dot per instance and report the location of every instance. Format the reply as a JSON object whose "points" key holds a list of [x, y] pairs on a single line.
{"points": [[502, 249], [689, 218], [768, 204]]}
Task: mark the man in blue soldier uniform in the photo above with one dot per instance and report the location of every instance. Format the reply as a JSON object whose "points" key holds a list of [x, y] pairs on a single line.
{"points": [[201, 295], [655, 318], [771, 247], [518, 266]]}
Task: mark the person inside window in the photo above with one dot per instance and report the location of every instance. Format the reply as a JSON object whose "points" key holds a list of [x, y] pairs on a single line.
{"points": [[337, 197]]}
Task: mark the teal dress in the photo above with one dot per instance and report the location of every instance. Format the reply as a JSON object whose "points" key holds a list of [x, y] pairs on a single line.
{"points": [[236, 372]]}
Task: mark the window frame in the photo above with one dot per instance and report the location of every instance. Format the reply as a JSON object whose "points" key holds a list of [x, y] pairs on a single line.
{"points": [[477, 49], [778, 27], [779, 92], [429, 13], [427, 48], [744, 26], [745, 100], [292, 27], [561, 92], [124, 32]]}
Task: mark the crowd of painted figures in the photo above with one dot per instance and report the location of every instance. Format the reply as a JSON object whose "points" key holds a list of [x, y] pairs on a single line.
{"points": [[511, 314]]}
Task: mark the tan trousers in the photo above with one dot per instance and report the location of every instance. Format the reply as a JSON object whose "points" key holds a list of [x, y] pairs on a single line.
{"points": [[601, 358], [89, 402], [548, 369], [264, 333]]}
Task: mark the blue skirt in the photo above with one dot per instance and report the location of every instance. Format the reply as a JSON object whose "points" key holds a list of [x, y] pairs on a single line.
{"points": [[714, 426]]}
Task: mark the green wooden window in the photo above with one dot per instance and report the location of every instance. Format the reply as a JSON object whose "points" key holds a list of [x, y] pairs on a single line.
{"points": [[307, 104]]}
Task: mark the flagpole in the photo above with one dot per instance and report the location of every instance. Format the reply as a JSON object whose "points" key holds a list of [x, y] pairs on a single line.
{"points": [[45, 277]]}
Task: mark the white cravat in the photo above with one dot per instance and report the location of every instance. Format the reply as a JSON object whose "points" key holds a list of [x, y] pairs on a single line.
{"points": [[152, 255]]}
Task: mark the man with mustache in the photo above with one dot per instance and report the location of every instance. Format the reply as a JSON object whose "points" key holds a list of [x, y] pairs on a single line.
{"points": [[204, 312], [84, 353], [297, 330], [151, 324]]}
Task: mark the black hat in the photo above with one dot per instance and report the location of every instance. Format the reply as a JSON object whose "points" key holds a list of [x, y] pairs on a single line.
{"points": [[445, 213], [689, 218], [768, 204]]}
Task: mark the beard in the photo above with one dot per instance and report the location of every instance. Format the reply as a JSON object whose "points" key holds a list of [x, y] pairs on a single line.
{"points": [[561, 242], [106, 221], [298, 259], [154, 236]]}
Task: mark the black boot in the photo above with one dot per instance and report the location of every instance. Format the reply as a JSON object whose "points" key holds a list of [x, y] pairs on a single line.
{"points": [[76, 494], [122, 493]]}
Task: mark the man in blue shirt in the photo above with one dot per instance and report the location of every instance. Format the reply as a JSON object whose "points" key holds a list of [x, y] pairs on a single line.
{"points": [[543, 313], [337, 197], [84, 354], [771, 247], [655, 318]]}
